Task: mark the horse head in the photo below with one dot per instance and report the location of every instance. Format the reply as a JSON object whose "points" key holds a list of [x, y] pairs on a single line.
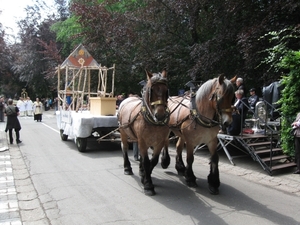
{"points": [[223, 95], [155, 96]]}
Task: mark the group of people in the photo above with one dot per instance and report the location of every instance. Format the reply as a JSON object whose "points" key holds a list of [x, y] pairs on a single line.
{"points": [[29, 108], [241, 106], [12, 110]]}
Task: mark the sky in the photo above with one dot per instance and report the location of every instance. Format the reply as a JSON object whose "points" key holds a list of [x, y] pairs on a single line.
{"points": [[13, 11]]}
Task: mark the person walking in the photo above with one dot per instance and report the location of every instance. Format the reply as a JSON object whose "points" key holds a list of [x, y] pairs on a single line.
{"points": [[12, 113], [296, 127], [21, 106], [38, 110], [29, 107]]}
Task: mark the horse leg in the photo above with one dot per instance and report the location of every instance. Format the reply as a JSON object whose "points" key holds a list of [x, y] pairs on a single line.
{"points": [[165, 158], [179, 165], [189, 174], [127, 165], [213, 178], [146, 177]]}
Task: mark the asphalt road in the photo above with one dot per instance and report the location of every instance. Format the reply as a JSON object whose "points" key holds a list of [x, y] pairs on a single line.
{"points": [[64, 186]]}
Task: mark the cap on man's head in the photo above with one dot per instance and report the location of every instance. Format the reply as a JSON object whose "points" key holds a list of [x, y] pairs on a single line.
{"points": [[252, 89]]}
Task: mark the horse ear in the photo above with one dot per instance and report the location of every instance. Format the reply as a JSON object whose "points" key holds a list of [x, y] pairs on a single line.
{"points": [[221, 78], [149, 75], [164, 73], [233, 80]]}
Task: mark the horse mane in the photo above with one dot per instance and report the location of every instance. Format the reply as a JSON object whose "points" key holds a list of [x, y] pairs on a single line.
{"points": [[157, 77], [229, 89], [205, 89]]}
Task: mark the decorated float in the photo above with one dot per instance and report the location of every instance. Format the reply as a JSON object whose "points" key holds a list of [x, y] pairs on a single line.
{"points": [[87, 105]]}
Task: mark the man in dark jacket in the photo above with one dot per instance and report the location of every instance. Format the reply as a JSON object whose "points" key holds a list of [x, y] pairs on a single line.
{"points": [[235, 127], [12, 113], [253, 99], [241, 104]]}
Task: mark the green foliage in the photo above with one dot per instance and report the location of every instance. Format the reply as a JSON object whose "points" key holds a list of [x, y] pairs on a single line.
{"points": [[191, 39], [290, 101], [67, 33], [124, 6], [283, 59]]}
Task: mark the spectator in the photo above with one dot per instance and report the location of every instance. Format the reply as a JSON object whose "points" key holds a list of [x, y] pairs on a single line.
{"points": [[12, 113], [235, 127], [241, 104], [240, 84], [120, 98], [296, 127], [55, 103], [253, 99], [2, 106]]}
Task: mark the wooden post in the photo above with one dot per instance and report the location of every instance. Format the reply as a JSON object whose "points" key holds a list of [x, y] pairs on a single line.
{"points": [[89, 90], [85, 78], [66, 86], [99, 79], [58, 85], [113, 82]]}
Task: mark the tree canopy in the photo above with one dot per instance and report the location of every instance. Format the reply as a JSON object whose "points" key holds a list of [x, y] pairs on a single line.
{"points": [[192, 39]]}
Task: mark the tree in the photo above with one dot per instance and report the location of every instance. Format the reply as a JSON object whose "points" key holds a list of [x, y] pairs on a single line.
{"points": [[37, 54]]}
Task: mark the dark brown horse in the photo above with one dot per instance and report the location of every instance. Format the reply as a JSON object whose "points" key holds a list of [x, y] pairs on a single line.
{"points": [[197, 119], [145, 120]]}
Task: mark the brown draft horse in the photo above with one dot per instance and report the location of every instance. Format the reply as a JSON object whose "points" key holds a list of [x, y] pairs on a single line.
{"points": [[197, 120], [145, 120]]}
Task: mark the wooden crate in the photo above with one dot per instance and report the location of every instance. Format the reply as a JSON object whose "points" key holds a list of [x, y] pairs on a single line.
{"points": [[102, 106]]}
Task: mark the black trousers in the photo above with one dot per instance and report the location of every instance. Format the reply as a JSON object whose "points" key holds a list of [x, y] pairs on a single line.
{"points": [[38, 117], [297, 152], [11, 139]]}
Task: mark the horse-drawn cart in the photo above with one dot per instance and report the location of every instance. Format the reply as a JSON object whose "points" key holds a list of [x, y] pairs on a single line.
{"points": [[87, 106]]}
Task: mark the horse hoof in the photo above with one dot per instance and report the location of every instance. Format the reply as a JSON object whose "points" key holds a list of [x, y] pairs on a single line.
{"points": [[192, 184], [213, 190], [165, 162], [141, 173], [180, 173], [150, 192], [164, 166], [128, 172]]}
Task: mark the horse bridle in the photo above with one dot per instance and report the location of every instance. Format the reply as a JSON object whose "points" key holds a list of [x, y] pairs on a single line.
{"points": [[147, 112], [217, 119], [218, 100]]}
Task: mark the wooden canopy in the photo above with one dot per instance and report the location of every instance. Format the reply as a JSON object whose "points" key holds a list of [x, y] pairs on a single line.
{"points": [[74, 80]]}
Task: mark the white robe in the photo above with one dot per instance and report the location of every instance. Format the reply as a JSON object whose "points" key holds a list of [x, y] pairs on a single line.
{"points": [[22, 107], [29, 107]]}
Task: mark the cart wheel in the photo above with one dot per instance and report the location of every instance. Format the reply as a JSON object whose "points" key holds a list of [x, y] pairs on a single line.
{"points": [[81, 144], [63, 136]]}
